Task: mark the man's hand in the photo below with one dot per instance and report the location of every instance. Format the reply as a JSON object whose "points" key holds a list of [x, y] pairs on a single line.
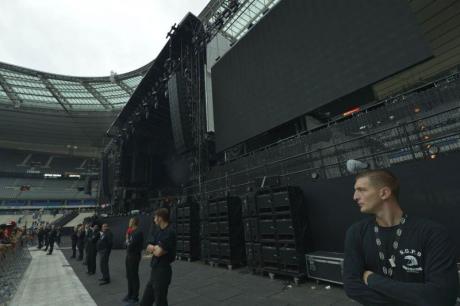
{"points": [[150, 248], [158, 251], [366, 275]]}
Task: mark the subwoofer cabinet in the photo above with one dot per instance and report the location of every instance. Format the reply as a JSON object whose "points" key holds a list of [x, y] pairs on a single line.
{"points": [[222, 231], [187, 229], [275, 226]]}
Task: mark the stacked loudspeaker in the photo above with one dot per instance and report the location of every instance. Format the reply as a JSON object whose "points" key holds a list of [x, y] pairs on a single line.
{"points": [[188, 229], [251, 232], [222, 231], [180, 113], [275, 224]]}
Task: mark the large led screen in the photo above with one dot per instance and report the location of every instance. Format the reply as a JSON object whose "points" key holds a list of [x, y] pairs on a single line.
{"points": [[306, 53]]}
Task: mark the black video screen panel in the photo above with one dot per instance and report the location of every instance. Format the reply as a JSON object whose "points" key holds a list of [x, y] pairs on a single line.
{"points": [[306, 53]]}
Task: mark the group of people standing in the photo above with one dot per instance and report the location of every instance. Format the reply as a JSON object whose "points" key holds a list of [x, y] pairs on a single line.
{"points": [[48, 235], [90, 240]]}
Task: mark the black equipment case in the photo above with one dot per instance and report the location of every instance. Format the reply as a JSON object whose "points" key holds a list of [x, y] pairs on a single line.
{"points": [[325, 266]]}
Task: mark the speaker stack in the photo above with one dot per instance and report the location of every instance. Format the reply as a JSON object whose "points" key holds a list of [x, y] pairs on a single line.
{"points": [[275, 224], [251, 232], [187, 229], [180, 113], [222, 232]]}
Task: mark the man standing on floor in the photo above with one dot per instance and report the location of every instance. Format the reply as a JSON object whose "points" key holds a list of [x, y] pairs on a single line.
{"points": [[134, 245], [45, 236], [88, 235], [74, 238], [51, 239], [104, 246], [392, 258], [80, 241], [40, 236], [58, 235], [163, 248], [91, 253]]}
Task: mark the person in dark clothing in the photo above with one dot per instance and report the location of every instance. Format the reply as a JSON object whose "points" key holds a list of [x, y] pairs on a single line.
{"points": [[395, 259], [80, 241], [93, 237], [163, 248], [40, 236], [58, 235], [45, 236], [104, 246], [74, 238], [88, 234], [134, 246], [51, 239]]}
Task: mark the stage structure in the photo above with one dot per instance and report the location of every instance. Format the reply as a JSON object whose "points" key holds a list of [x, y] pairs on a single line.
{"points": [[158, 140], [279, 110]]}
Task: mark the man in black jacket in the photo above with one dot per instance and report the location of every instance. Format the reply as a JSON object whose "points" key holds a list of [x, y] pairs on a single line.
{"points": [[58, 235], [134, 246], [80, 241], [104, 246], [40, 236], [395, 259], [163, 248], [91, 253], [46, 235], [88, 235], [74, 238], [51, 239]]}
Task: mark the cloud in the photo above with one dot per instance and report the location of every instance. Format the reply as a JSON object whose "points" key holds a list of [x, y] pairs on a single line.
{"points": [[88, 37]]}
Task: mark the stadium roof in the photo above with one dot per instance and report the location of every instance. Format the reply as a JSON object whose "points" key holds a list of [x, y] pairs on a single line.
{"points": [[51, 112], [31, 89], [27, 88]]}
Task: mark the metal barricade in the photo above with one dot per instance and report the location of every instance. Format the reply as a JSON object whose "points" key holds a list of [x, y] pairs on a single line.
{"points": [[14, 260]]}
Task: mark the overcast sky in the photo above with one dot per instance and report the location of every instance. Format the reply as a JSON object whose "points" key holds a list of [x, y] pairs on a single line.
{"points": [[87, 37]]}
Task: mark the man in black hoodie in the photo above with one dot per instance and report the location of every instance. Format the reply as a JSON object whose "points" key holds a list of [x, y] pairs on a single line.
{"points": [[104, 246], [392, 258]]}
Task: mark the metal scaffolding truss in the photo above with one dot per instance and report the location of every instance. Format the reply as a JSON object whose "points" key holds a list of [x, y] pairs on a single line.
{"points": [[235, 24]]}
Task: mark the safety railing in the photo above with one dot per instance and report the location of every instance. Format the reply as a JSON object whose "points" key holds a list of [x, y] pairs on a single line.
{"points": [[14, 260]]}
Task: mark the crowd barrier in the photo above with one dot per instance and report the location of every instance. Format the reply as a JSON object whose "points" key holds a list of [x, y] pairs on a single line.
{"points": [[14, 260]]}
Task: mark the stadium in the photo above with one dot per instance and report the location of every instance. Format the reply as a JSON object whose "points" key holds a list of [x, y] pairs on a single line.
{"points": [[251, 128]]}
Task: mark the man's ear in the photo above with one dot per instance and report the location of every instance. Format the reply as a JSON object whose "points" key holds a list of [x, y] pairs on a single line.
{"points": [[385, 193]]}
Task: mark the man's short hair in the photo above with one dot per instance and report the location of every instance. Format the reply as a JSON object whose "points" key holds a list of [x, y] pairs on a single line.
{"points": [[382, 178], [163, 213]]}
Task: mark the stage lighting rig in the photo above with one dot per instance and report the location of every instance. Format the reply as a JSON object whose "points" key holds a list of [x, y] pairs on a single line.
{"points": [[172, 31]]}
